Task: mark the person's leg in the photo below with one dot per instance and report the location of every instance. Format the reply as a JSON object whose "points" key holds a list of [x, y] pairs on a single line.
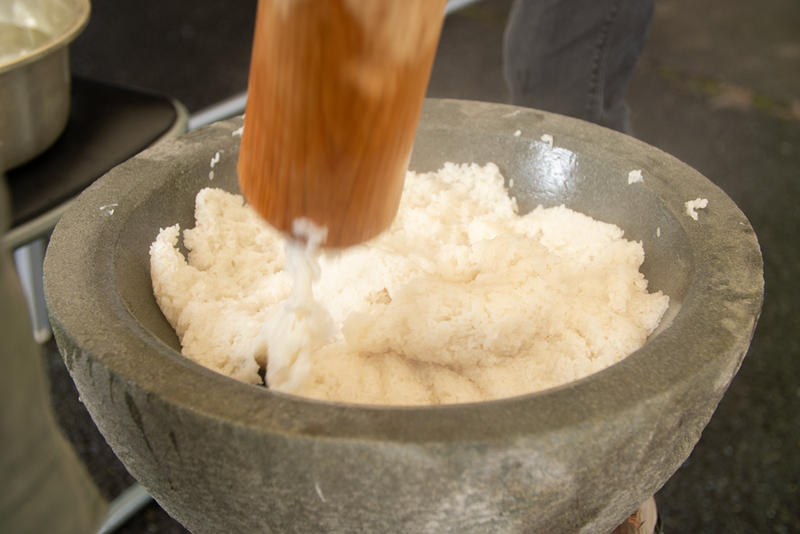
{"points": [[575, 57], [45, 488]]}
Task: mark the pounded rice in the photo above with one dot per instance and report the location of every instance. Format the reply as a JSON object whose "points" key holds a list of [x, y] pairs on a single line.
{"points": [[461, 300]]}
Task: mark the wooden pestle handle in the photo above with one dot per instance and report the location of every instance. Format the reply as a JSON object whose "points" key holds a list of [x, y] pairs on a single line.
{"points": [[334, 98]]}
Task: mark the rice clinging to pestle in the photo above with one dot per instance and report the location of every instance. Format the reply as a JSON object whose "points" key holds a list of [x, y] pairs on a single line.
{"points": [[461, 300]]}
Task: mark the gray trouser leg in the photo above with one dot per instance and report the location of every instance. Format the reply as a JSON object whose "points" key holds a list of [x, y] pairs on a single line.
{"points": [[43, 486], [575, 57]]}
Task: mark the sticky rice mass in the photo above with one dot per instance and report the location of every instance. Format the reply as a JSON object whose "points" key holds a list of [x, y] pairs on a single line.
{"points": [[461, 300]]}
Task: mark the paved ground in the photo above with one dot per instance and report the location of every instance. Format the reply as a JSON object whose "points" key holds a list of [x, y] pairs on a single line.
{"points": [[718, 87]]}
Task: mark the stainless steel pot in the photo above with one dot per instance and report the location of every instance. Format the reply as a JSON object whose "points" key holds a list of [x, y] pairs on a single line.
{"points": [[34, 73]]}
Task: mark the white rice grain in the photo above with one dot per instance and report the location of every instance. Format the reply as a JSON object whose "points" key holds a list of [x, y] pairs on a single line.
{"points": [[461, 300], [693, 205]]}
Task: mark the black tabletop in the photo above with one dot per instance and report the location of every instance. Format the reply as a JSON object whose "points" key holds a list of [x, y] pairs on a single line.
{"points": [[107, 124]]}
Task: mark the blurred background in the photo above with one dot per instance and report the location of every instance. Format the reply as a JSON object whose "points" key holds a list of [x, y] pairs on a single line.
{"points": [[718, 87]]}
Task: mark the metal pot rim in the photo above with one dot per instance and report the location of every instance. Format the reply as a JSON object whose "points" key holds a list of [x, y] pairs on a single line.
{"points": [[82, 10]]}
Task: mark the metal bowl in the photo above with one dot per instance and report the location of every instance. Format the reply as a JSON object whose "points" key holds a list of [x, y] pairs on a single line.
{"points": [[34, 74], [223, 456]]}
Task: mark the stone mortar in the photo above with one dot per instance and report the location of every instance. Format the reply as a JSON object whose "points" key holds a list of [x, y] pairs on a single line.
{"points": [[223, 456]]}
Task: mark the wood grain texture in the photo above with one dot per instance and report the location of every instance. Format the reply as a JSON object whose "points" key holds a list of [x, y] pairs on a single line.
{"points": [[334, 97]]}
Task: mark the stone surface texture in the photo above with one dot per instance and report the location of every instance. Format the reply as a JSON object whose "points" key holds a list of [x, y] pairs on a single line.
{"points": [[221, 456]]}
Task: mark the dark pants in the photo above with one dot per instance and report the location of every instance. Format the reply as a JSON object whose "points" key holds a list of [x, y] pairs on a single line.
{"points": [[575, 57]]}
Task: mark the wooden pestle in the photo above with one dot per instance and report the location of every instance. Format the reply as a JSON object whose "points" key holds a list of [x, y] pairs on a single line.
{"points": [[334, 98]]}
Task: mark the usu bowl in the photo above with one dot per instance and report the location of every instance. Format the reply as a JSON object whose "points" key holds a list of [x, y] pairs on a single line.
{"points": [[223, 456]]}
